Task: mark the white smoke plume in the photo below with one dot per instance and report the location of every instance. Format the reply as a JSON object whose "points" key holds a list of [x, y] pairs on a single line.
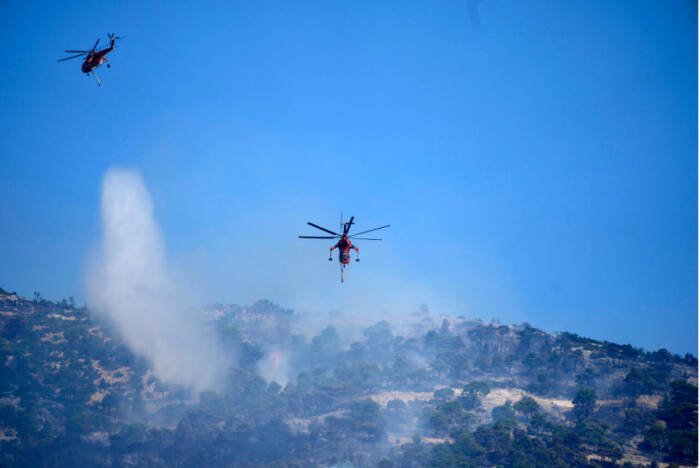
{"points": [[130, 283], [275, 366]]}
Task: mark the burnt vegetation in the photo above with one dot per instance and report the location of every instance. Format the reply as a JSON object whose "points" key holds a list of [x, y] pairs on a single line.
{"points": [[434, 392]]}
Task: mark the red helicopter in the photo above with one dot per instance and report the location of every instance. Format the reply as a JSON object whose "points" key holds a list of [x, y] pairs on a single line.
{"points": [[94, 58], [344, 245]]}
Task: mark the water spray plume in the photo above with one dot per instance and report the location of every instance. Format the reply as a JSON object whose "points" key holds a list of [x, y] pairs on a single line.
{"points": [[130, 283]]}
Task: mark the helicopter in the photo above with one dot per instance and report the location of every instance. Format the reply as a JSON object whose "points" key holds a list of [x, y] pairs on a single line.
{"points": [[344, 245], [93, 57]]}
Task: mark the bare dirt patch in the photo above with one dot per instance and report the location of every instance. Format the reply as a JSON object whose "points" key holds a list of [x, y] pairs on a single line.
{"points": [[118, 375], [382, 398]]}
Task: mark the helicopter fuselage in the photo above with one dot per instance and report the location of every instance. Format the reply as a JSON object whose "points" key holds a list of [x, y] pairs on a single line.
{"points": [[95, 59], [344, 245]]}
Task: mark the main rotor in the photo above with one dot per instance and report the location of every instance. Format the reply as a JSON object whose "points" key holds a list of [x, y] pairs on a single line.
{"points": [[345, 229], [80, 53]]}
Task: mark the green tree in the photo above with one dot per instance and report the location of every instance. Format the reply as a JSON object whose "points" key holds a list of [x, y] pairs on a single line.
{"points": [[527, 406], [477, 387], [656, 436], [366, 420], [503, 413], [679, 410], [470, 393], [584, 403]]}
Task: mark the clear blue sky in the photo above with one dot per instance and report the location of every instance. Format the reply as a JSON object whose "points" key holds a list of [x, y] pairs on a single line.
{"points": [[540, 166]]}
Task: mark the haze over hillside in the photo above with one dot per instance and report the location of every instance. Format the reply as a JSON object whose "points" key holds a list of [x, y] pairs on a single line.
{"points": [[430, 391]]}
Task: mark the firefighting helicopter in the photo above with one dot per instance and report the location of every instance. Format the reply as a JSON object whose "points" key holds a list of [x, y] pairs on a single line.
{"points": [[344, 245], [94, 58]]}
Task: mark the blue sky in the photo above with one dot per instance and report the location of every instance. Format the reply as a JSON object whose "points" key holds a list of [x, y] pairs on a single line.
{"points": [[540, 166]]}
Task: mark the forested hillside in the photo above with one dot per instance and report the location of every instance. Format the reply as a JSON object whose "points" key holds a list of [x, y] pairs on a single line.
{"points": [[430, 391]]}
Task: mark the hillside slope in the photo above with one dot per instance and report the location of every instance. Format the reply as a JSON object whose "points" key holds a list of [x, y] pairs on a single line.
{"points": [[446, 391]]}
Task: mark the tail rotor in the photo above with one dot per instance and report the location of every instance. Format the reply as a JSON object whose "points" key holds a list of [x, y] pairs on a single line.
{"points": [[113, 38]]}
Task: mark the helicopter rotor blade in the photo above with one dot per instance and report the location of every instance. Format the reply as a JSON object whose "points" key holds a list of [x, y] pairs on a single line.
{"points": [[72, 57], [318, 237], [363, 238], [77, 51], [323, 229], [95, 46], [370, 230], [348, 225]]}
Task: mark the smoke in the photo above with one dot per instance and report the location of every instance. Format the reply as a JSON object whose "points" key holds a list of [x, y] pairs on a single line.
{"points": [[131, 284], [275, 366]]}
